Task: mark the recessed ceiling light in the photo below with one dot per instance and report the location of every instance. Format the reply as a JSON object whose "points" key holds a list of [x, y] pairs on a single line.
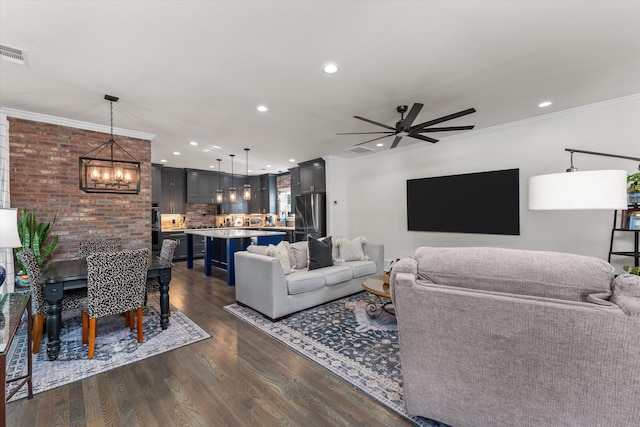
{"points": [[330, 68], [215, 146], [268, 166], [212, 166], [249, 171], [193, 143], [206, 150], [379, 144], [544, 104], [262, 108], [176, 153], [292, 160], [163, 161]]}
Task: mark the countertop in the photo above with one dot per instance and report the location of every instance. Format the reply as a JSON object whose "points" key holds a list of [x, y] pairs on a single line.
{"points": [[231, 232]]}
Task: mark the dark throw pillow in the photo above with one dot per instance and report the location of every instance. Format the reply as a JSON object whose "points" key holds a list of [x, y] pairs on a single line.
{"points": [[320, 253]]}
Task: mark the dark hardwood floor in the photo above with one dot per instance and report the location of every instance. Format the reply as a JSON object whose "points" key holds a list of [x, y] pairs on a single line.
{"points": [[238, 377]]}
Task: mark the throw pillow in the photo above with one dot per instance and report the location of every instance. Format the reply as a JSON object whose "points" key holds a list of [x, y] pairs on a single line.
{"points": [[299, 258], [257, 249], [282, 253], [351, 250], [320, 253]]}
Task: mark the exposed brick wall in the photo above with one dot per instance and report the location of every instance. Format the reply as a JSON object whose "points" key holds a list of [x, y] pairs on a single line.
{"points": [[44, 178]]}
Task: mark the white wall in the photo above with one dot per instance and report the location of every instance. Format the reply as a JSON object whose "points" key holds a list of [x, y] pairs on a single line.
{"points": [[377, 183]]}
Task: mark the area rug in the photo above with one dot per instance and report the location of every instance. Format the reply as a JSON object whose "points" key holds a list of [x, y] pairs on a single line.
{"points": [[116, 345], [342, 338]]}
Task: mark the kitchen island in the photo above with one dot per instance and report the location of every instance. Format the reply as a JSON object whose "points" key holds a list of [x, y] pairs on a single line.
{"points": [[221, 243]]}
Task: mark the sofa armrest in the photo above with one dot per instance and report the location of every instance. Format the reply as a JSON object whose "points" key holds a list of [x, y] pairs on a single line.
{"points": [[375, 252], [260, 281]]}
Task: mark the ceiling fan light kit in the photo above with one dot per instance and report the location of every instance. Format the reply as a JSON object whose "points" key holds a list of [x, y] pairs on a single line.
{"points": [[405, 127]]}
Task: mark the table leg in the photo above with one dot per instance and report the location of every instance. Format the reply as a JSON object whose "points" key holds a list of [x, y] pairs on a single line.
{"points": [[231, 271], [208, 255], [53, 295], [165, 278]]}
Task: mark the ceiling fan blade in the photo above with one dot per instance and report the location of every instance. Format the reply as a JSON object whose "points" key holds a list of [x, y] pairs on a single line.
{"points": [[413, 113], [396, 142], [374, 123], [422, 137], [445, 129], [371, 140], [443, 119], [362, 133]]}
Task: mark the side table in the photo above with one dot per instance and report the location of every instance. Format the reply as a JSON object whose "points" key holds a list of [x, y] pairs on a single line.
{"points": [[12, 307]]}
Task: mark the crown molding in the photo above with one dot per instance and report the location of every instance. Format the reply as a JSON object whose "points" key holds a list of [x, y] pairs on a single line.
{"points": [[61, 121]]}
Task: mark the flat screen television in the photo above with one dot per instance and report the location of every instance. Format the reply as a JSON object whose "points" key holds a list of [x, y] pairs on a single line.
{"points": [[482, 202]]}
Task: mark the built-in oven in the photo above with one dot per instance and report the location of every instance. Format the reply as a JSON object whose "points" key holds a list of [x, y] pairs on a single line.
{"points": [[155, 228]]}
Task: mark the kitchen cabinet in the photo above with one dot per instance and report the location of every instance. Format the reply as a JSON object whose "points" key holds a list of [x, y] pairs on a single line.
{"points": [[200, 186], [254, 203], [268, 190], [295, 182], [312, 177], [173, 191], [156, 184]]}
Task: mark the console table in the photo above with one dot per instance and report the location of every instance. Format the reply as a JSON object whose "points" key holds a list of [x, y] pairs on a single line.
{"points": [[12, 307]]}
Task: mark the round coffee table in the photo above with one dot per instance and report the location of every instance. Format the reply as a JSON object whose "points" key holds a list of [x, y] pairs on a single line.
{"points": [[376, 286]]}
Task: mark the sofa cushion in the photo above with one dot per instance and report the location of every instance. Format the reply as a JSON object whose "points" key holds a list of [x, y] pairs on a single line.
{"points": [[281, 251], [362, 268], [320, 253], [336, 274], [545, 274], [351, 250], [300, 255], [626, 294], [304, 281]]}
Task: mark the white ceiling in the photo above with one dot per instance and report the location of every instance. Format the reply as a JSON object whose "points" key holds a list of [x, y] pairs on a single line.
{"points": [[196, 70]]}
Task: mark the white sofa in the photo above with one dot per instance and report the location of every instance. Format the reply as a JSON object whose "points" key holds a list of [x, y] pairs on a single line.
{"points": [[262, 284]]}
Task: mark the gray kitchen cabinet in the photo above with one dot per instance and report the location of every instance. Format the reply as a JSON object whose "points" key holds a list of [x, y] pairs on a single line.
{"points": [[268, 190], [312, 177], [173, 200], [181, 243], [295, 182], [156, 183], [254, 203], [200, 186]]}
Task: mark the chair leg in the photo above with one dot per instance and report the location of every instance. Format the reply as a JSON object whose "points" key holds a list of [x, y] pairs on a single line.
{"points": [[85, 328], [36, 332], [132, 320], [140, 329], [92, 337]]}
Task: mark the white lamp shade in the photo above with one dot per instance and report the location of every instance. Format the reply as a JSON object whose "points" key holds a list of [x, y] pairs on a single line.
{"points": [[9, 229], [602, 189]]}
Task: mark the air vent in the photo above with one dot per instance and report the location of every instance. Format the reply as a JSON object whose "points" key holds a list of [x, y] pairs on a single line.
{"points": [[12, 54], [360, 149]]}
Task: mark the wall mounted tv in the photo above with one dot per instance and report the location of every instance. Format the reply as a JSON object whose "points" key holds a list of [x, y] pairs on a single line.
{"points": [[482, 202]]}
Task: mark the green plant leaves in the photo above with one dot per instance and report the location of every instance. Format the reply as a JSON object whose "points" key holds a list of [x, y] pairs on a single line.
{"points": [[33, 236]]}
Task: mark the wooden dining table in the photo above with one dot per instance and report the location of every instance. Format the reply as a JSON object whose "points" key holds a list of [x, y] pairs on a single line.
{"points": [[59, 276]]}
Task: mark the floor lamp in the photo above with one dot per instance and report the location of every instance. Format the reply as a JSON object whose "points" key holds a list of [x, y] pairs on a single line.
{"points": [[599, 189], [9, 237]]}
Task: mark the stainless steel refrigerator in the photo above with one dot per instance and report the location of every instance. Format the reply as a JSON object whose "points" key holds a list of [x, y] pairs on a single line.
{"points": [[310, 209]]}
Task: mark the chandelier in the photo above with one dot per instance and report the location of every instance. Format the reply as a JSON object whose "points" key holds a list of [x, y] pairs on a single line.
{"points": [[104, 173], [219, 197], [232, 189]]}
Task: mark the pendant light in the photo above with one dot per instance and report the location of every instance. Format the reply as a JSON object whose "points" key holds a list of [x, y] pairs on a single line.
{"points": [[101, 174], [246, 189], [219, 197], [232, 189]]}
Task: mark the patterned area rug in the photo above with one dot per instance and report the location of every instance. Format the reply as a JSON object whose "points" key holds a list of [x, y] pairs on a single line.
{"points": [[341, 337], [116, 345]]}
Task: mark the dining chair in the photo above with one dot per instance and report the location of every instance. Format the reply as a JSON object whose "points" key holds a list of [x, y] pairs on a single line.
{"points": [[166, 252], [115, 285], [70, 300], [88, 247]]}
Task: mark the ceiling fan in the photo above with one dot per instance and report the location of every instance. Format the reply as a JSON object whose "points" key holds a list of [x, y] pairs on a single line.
{"points": [[404, 126]]}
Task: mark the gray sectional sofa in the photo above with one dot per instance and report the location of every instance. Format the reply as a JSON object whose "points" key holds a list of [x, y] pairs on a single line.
{"points": [[503, 337], [262, 284]]}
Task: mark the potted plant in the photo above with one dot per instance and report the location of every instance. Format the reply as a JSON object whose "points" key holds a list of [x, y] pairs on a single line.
{"points": [[632, 270], [34, 235], [386, 275]]}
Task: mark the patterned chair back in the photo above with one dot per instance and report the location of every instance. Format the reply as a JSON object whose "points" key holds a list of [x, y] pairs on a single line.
{"points": [[88, 247], [168, 249], [38, 303], [116, 281]]}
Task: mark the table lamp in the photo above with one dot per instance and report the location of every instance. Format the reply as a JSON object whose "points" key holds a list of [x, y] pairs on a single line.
{"points": [[9, 237]]}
